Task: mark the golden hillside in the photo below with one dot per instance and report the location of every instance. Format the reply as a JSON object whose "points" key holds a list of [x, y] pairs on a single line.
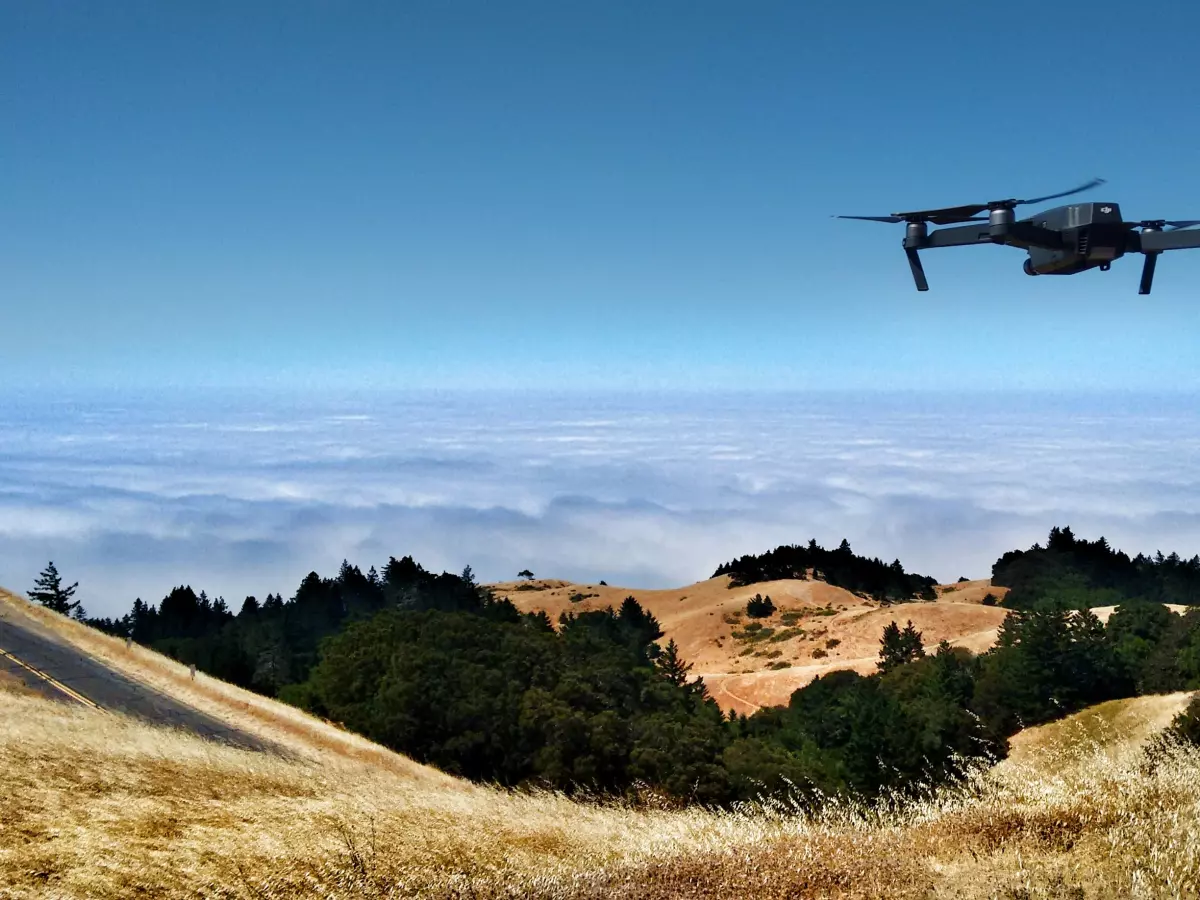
{"points": [[98, 805], [816, 628]]}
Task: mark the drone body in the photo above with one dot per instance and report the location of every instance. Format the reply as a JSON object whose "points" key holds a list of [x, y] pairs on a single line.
{"points": [[1064, 240]]}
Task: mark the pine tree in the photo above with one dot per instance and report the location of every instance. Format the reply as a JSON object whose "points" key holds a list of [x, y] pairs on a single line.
{"points": [[671, 665], [49, 592], [760, 607], [910, 642], [899, 647]]}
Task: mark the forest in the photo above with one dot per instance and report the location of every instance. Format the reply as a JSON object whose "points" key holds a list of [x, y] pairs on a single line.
{"points": [[437, 667]]}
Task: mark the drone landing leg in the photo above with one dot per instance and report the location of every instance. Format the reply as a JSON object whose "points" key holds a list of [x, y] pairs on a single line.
{"points": [[1148, 273], [918, 271]]}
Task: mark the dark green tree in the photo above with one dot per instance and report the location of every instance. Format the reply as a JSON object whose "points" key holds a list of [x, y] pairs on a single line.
{"points": [[898, 647], [49, 591], [760, 607], [672, 665]]}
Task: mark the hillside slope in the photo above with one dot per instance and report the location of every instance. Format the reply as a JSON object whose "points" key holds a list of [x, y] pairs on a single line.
{"points": [[816, 628], [274, 723], [104, 806]]}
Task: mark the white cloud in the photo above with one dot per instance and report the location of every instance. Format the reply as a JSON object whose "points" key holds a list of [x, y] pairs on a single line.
{"points": [[652, 491]]}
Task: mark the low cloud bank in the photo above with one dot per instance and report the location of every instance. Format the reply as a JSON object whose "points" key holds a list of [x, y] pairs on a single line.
{"points": [[239, 494]]}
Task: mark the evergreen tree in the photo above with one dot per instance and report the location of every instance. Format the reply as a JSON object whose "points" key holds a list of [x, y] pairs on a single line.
{"points": [[760, 607], [672, 665], [49, 591], [899, 647], [910, 643]]}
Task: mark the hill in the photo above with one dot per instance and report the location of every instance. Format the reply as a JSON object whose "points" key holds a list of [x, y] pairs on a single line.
{"points": [[109, 807], [816, 627], [302, 735]]}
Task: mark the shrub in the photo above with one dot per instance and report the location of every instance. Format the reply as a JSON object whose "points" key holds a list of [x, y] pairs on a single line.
{"points": [[759, 607], [786, 634], [1186, 725], [819, 653], [989, 599]]}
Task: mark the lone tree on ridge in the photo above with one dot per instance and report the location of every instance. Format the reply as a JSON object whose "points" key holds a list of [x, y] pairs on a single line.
{"points": [[49, 592]]}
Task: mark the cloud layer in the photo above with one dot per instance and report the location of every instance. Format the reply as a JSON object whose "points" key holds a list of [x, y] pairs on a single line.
{"points": [[244, 494]]}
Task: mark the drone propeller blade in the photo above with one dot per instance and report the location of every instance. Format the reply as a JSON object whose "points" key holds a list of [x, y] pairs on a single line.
{"points": [[950, 215], [946, 216], [937, 217], [942, 219], [872, 218], [1171, 224], [1095, 182]]}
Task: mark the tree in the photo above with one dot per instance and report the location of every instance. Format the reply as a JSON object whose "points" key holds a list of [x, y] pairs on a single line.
{"points": [[672, 665], [49, 592], [526, 574], [899, 647], [760, 607]]}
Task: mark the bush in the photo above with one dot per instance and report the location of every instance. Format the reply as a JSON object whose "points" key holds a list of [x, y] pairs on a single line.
{"points": [[1186, 725], [989, 599], [759, 607], [819, 653]]}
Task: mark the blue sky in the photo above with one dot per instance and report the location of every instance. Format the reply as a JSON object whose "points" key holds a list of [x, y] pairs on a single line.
{"points": [[468, 194]]}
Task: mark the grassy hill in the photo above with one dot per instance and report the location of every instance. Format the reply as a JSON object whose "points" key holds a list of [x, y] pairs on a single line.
{"points": [[815, 629], [93, 804]]}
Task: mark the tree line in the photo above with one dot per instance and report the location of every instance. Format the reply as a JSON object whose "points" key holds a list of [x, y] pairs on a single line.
{"points": [[1068, 567], [437, 667], [884, 582]]}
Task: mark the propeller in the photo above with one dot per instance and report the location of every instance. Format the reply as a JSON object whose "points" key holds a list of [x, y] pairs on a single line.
{"points": [[952, 214], [1171, 224], [912, 217]]}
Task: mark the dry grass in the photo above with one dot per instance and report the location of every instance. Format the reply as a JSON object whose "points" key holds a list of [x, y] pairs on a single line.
{"points": [[95, 805], [702, 619], [277, 723]]}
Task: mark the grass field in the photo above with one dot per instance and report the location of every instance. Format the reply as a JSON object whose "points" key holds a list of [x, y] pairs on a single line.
{"points": [[96, 805]]}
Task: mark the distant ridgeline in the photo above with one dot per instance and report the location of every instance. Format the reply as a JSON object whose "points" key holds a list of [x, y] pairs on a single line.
{"points": [[840, 568], [440, 668], [1070, 570]]}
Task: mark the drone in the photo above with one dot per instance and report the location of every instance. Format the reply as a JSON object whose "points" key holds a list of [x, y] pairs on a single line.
{"points": [[1064, 240]]}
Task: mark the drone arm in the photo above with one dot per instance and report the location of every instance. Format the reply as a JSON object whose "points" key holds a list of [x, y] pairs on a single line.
{"points": [[956, 237], [1157, 241]]}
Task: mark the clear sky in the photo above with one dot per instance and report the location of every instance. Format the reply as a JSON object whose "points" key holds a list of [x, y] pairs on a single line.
{"points": [[581, 193]]}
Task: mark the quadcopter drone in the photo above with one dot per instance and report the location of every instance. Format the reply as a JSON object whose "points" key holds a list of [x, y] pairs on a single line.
{"points": [[1060, 241]]}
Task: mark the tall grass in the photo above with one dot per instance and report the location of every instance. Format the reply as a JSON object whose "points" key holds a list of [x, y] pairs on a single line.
{"points": [[95, 805]]}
